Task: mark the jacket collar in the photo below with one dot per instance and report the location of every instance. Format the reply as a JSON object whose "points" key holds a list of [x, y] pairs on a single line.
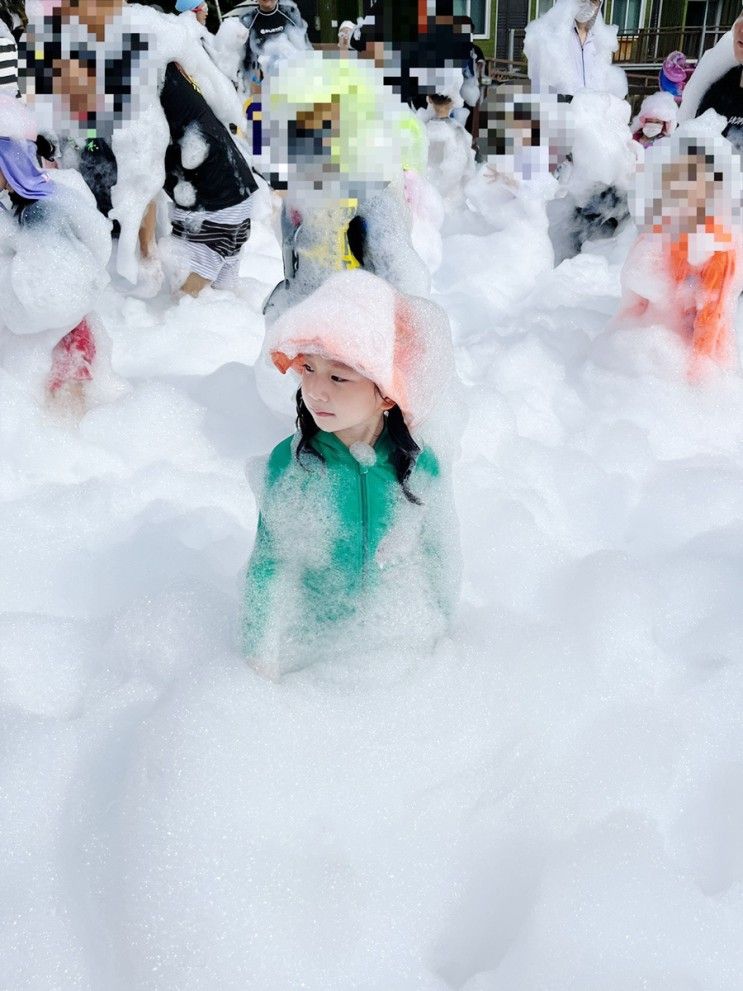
{"points": [[334, 450]]}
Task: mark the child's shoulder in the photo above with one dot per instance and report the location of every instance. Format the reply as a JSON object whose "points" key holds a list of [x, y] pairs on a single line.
{"points": [[280, 458], [428, 463]]}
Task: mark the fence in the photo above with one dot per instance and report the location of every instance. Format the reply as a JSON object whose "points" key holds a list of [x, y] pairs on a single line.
{"points": [[499, 71], [646, 47]]}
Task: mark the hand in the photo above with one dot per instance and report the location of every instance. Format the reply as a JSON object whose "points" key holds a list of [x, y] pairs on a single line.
{"points": [[493, 175]]}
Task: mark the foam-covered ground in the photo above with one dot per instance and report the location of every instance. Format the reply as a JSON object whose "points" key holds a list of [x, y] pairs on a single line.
{"points": [[554, 801]]}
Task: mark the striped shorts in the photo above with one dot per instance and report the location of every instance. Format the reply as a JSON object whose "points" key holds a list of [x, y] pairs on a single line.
{"points": [[213, 239]]}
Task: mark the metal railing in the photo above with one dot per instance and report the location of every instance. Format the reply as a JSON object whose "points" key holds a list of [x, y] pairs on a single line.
{"points": [[645, 47]]}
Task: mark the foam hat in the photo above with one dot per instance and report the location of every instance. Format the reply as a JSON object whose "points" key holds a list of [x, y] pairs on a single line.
{"points": [[674, 74], [659, 106], [183, 5], [401, 343]]}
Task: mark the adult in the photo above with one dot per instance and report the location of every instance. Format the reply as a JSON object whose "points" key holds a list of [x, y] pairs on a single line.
{"points": [[412, 43], [570, 48], [717, 85], [270, 24]]}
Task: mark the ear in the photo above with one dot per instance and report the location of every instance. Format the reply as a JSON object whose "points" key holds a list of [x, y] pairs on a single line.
{"points": [[388, 403]]}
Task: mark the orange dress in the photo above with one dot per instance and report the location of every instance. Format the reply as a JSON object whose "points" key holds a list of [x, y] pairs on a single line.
{"points": [[712, 322], [697, 298]]}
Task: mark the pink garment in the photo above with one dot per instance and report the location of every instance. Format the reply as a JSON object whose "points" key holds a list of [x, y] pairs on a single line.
{"points": [[73, 357]]}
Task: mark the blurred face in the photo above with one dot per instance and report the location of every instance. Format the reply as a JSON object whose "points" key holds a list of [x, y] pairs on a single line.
{"points": [[95, 14], [267, 5], [311, 138], [738, 39], [201, 13], [341, 400], [587, 10], [344, 39], [688, 188], [77, 87], [3, 182]]}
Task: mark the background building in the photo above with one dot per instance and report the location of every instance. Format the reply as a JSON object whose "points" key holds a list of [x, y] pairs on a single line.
{"points": [[649, 29]]}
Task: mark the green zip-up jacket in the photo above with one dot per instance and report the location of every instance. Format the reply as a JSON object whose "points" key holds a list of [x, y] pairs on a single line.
{"points": [[339, 550]]}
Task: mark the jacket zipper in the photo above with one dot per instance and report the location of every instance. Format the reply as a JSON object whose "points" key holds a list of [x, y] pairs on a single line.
{"points": [[363, 470], [582, 56]]}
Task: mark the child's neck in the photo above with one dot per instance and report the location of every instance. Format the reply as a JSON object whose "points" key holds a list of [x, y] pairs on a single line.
{"points": [[368, 432]]}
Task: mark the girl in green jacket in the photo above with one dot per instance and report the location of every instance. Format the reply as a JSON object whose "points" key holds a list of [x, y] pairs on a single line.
{"points": [[356, 548]]}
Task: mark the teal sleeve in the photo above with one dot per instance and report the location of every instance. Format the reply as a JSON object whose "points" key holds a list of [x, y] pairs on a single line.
{"points": [[261, 579], [260, 582]]}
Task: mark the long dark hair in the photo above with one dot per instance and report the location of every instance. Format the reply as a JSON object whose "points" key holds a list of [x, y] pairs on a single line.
{"points": [[404, 454]]}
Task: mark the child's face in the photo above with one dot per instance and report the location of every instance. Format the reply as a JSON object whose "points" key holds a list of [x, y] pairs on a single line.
{"points": [[338, 398], [311, 138], [688, 187], [77, 86]]}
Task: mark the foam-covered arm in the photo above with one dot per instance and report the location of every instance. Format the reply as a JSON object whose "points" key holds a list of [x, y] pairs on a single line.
{"points": [[258, 602]]}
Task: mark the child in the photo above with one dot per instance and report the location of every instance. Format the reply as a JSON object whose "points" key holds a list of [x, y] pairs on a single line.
{"points": [[658, 118], [595, 183], [55, 248], [353, 548], [674, 75], [451, 158], [340, 141], [210, 183], [684, 269], [517, 148], [198, 8], [345, 32]]}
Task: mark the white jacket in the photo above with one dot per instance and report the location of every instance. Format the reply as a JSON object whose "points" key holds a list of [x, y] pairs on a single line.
{"points": [[558, 63]]}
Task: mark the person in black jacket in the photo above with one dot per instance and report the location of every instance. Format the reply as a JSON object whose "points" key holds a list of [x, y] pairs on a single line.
{"points": [[210, 183], [725, 95], [267, 21]]}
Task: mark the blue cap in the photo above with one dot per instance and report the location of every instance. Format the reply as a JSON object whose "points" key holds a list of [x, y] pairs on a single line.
{"points": [[183, 5]]}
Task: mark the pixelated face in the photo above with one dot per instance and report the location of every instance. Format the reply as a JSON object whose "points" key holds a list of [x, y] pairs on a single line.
{"points": [[77, 87], [338, 397], [515, 126], [311, 135], [738, 39], [95, 9], [688, 190]]}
